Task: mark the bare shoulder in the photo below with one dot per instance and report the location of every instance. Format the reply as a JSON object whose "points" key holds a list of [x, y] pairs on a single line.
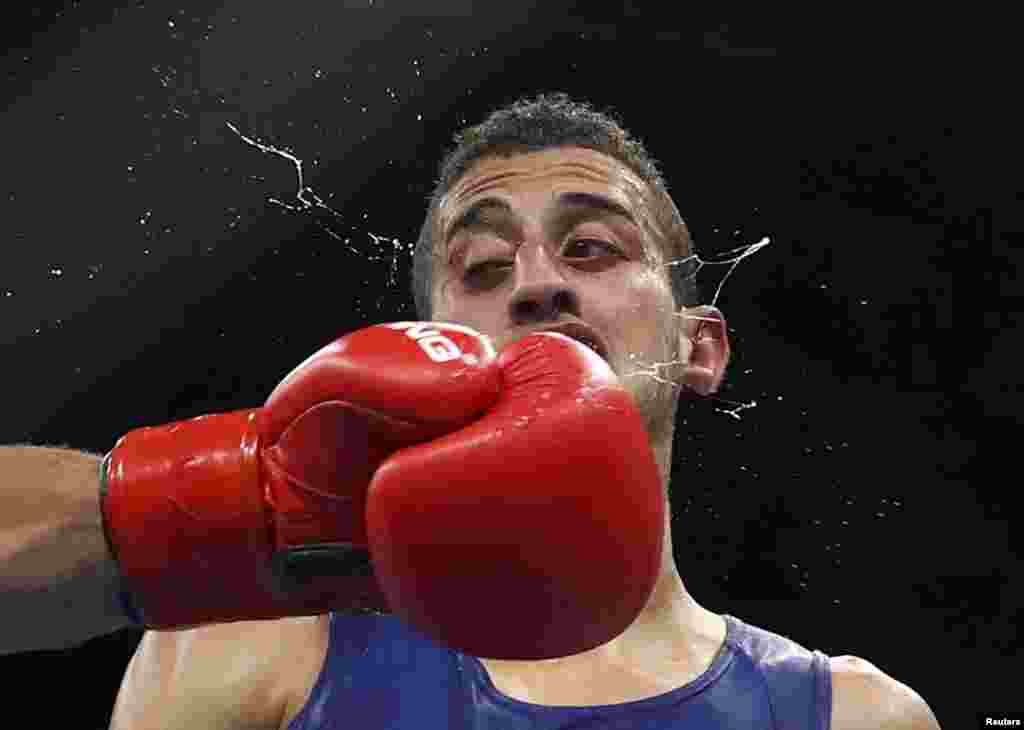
{"points": [[238, 674], [266, 653], [866, 698], [315, 637]]}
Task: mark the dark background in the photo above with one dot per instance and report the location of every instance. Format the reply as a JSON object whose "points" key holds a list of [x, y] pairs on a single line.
{"points": [[859, 508]]}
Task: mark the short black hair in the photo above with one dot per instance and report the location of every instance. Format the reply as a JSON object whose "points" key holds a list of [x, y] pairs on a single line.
{"points": [[548, 121]]}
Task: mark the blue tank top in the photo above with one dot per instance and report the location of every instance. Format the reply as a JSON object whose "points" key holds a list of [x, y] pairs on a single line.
{"points": [[380, 673]]}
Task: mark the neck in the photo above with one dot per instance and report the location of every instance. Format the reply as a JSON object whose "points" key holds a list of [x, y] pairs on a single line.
{"points": [[672, 627], [671, 612], [672, 636]]}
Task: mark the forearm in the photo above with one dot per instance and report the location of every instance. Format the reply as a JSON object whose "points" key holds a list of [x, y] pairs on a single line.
{"points": [[58, 582]]}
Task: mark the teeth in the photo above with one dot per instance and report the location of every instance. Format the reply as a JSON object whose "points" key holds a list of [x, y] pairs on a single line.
{"points": [[589, 344], [584, 340]]}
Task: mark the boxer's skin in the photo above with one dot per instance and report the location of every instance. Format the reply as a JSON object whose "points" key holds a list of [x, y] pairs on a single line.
{"points": [[549, 267], [562, 273], [544, 279]]}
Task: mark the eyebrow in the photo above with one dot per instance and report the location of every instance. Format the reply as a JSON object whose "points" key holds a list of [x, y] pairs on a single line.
{"points": [[471, 216]]}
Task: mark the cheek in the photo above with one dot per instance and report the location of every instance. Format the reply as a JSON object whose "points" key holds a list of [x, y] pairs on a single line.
{"points": [[446, 303], [645, 299], [477, 315], [642, 320]]}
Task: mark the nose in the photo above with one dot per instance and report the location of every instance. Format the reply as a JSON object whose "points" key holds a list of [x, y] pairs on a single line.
{"points": [[541, 293], [543, 303]]}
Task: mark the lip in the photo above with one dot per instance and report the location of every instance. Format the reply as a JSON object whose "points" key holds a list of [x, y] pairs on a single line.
{"points": [[579, 332]]}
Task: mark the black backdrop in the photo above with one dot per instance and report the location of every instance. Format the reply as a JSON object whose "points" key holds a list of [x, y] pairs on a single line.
{"points": [[147, 276]]}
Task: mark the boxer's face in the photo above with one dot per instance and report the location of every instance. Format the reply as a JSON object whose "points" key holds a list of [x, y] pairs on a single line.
{"points": [[608, 266]]}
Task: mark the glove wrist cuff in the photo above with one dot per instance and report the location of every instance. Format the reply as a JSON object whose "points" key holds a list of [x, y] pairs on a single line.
{"points": [[184, 517]]}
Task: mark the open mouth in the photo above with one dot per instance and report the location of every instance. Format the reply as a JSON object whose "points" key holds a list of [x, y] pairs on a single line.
{"points": [[581, 335], [591, 344]]}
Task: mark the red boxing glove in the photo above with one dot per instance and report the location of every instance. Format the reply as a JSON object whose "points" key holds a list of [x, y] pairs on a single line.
{"points": [[259, 514], [534, 532]]}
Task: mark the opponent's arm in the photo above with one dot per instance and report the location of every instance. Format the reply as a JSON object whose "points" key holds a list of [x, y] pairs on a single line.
{"points": [[249, 515], [58, 582]]}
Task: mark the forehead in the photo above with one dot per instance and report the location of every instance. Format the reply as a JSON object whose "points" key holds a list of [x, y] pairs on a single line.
{"points": [[550, 169]]}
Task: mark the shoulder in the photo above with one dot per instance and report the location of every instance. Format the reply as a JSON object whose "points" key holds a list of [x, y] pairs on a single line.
{"points": [[314, 634], [866, 698], [237, 674], [255, 649]]}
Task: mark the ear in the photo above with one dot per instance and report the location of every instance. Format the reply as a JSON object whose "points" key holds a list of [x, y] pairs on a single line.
{"points": [[705, 336]]}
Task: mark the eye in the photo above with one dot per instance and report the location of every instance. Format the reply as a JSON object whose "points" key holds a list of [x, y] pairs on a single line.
{"points": [[604, 244], [478, 271], [485, 272]]}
